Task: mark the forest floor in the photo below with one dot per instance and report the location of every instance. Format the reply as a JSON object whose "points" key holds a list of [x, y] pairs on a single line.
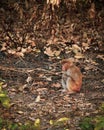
{"points": [[32, 77]]}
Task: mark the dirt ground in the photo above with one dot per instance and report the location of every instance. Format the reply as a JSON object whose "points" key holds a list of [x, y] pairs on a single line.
{"points": [[33, 81]]}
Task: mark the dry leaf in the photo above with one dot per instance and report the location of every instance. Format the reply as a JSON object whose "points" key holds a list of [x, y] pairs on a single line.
{"points": [[79, 56], [102, 81], [49, 78], [49, 52], [11, 51], [57, 53], [21, 88], [19, 54], [85, 35], [57, 85], [20, 112], [85, 46], [4, 45], [101, 57], [37, 98], [23, 50], [76, 49], [92, 11], [29, 79], [53, 3]]}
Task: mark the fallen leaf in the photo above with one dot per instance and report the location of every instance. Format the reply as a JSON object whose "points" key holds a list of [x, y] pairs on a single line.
{"points": [[85, 46], [20, 112], [79, 56], [24, 50], [29, 79], [37, 98], [59, 121], [37, 124], [102, 81], [57, 53], [76, 49], [57, 85], [49, 52], [4, 45], [22, 88], [101, 57], [49, 78]]}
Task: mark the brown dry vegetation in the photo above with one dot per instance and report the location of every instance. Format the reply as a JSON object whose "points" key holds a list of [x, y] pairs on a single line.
{"points": [[33, 40]]}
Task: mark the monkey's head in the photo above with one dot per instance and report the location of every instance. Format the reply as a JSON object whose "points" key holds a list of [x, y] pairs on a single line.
{"points": [[66, 64]]}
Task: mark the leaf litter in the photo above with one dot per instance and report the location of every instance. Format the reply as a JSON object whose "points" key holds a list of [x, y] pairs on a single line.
{"points": [[31, 69]]}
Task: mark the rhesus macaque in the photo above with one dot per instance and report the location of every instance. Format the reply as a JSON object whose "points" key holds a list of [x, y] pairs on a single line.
{"points": [[71, 76]]}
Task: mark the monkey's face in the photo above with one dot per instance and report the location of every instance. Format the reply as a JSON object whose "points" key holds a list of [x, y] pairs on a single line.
{"points": [[66, 66]]}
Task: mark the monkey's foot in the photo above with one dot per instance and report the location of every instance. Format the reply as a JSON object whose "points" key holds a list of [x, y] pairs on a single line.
{"points": [[67, 91]]}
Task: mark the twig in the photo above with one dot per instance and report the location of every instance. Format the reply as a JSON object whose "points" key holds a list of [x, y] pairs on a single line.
{"points": [[27, 70]]}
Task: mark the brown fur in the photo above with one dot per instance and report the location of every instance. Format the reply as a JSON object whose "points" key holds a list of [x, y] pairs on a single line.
{"points": [[71, 77]]}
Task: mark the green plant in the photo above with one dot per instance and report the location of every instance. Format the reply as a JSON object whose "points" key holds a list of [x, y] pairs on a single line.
{"points": [[9, 125], [4, 99], [86, 124], [1, 123], [99, 123], [95, 123], [13, 126]]}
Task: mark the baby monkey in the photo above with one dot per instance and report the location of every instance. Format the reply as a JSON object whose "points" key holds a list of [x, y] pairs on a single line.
{"points": [[71, 76]]}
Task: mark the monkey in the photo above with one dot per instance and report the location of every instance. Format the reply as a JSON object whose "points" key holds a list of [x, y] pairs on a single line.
{"points": [[71, 76]]}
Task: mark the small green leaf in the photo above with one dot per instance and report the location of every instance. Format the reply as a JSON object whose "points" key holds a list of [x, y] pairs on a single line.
{"points": [[59, 121], [6, 103], [63, 119], [37, 124], [3, 95], [51, 122], [1, 83]]}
